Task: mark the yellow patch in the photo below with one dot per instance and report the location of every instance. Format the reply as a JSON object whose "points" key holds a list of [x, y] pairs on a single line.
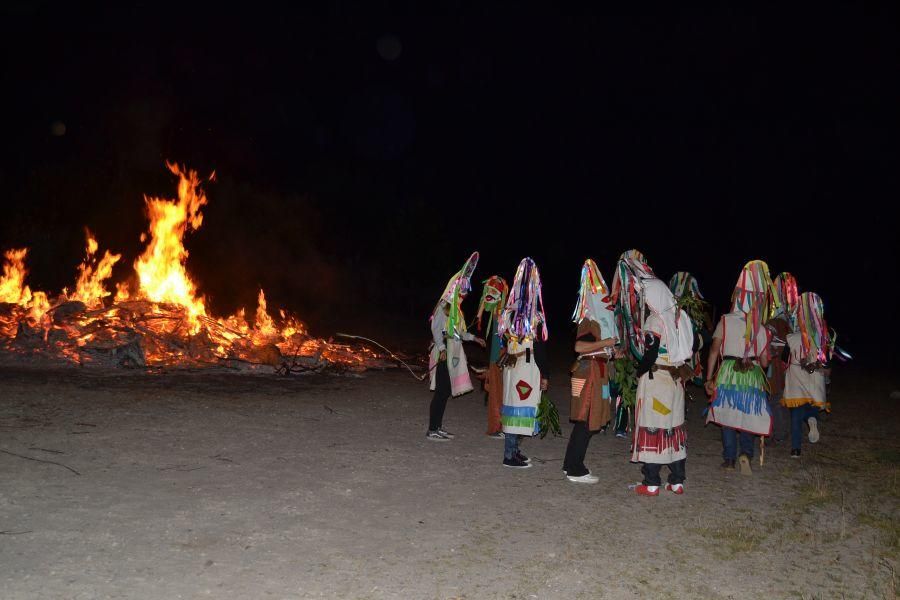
{"points": [[660, 407]]}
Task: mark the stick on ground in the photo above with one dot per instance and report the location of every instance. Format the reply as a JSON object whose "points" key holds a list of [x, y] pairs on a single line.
{"points": [[49, 462]]}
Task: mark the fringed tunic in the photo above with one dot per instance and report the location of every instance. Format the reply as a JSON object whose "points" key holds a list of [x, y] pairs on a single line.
{"points": [[521, 391], [659, 433], [590, 383], [802, 387], [741, 397]]}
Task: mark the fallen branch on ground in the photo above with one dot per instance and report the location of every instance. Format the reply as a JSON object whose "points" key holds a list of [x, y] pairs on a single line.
{"points": [[49, 462]]}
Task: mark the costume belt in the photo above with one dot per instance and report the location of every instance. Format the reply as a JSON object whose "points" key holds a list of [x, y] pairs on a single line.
{"points": [[683, 372], [742, 365]]}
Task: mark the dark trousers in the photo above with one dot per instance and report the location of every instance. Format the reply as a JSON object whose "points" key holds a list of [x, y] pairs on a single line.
{"points": [[731, 438], [576, 450], [800, 415], [676, 472], [441, 395]]}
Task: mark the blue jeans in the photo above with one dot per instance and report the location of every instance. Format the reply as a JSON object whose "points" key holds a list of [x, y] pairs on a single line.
{"points": [[510, 445], [729, 443], [799, 416]]}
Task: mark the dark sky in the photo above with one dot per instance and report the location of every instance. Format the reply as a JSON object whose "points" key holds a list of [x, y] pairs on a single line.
{"points": [[363, 152]]}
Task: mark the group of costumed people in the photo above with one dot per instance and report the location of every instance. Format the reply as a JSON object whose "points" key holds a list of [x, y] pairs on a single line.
{"points": [[766, 368]]}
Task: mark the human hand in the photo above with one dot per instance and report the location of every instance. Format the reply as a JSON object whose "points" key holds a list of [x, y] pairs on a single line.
{"points": [[710, 387], [619, 353], [443, 355], [544, 385], [479, 341]]}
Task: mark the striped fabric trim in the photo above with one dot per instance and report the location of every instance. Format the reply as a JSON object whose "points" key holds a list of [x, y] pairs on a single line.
{"points": [[518, 411], [577, 386]]}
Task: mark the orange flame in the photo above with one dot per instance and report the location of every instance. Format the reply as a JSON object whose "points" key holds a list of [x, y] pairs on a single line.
{"points": [[165, 315], [161, 268], [264, 324], [91, 274], [12, 284]]}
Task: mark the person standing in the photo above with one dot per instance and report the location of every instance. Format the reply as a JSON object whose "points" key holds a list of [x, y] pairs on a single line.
{"points": [[659, 436], [493, 299], [683, 284], [781, 325], [595, 341], [738, 388], [525, 378], [807, 352], [447, 359]]}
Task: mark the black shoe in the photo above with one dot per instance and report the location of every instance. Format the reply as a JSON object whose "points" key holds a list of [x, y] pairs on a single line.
{"points": [[729, 464], [795, 453], [523, 458], [515, 463], [446, 434]]}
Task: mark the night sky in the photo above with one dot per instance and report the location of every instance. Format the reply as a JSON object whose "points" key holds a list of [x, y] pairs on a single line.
{"points": [[362, 153]]}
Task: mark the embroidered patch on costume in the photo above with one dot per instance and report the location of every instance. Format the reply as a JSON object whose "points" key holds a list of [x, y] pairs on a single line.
{"points": [[455, 361], [523, 389], [660, 407]]}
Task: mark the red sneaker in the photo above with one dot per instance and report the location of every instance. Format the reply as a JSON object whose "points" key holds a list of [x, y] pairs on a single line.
{"points": [[677, 488], [647, 490]]}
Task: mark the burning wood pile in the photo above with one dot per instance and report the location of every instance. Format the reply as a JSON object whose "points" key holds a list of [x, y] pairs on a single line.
{"points": [[157, 319]]}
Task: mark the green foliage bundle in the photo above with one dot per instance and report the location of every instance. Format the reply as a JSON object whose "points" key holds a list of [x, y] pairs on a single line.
{"points": [[548, 417]]}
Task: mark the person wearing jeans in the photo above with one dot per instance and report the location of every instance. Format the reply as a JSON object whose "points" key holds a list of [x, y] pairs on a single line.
{"points": [[807, 352], [738, 389], [803, 414], [730, 439]]}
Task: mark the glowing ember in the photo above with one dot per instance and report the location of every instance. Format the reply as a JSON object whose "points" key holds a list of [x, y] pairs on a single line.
{"points": [[165, 321]]}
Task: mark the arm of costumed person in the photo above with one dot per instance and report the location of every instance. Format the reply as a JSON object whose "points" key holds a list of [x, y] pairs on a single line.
{"points": [[438, 324], [651, 353], [712, 360]]}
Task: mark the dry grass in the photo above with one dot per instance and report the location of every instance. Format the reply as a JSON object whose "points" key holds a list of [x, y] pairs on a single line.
{"points": [[735, 537]]}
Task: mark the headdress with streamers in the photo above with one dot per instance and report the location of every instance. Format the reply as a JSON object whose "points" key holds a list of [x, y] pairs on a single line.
{"points": [[459, 284], [679, 332], [817, 341], [754, 295], [593, 300], [682, 283], [788, 296], [627, 298], [493, 298], [524, 310]]}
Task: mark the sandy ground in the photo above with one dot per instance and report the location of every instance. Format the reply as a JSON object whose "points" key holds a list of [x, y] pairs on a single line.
{"points": [[194, 485]]}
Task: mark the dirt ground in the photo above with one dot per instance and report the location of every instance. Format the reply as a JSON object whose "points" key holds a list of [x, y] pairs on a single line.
{"points": [[195, 485]]}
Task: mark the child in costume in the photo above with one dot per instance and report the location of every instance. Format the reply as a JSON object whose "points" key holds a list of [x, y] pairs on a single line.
{"points": [[738, 389], [524, 324], [493, 299], [781, 325], [447, 360], [808, 351], [595, 340]]}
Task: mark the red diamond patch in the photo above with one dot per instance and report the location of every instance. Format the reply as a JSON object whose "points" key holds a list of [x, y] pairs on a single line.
{"points": [[523, 389]]}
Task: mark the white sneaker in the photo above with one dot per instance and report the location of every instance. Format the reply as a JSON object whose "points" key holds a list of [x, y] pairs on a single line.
{"points": [[813, 430], [587, 478]]}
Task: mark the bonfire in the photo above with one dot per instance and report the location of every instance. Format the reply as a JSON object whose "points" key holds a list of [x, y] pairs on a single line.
{"points": [[156, 318]]}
